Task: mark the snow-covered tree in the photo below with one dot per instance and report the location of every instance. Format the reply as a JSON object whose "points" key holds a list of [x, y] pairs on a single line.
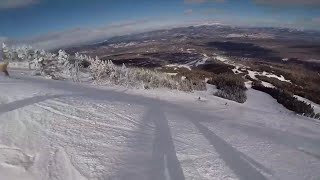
{"points": [[63, 57], [103, 71], [23, 53], [7, 52], [71, 63]]}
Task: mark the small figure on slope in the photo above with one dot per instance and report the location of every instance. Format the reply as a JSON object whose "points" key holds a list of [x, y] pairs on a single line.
{"points": [[3, 65]]}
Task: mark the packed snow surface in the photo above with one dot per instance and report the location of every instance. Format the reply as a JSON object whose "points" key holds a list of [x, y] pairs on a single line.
{"points": [[65, 131]]}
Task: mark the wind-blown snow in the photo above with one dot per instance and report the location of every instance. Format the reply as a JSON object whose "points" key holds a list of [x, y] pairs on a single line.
{"points": [[60, 130]]}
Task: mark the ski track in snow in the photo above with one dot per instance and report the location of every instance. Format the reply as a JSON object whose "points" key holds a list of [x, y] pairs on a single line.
{"points": [[60, 130]]}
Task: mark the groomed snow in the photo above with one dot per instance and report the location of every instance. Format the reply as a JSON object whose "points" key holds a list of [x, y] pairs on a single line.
{"points": [[65, 131]]}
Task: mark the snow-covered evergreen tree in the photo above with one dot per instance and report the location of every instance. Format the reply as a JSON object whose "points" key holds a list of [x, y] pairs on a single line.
{"points": [[7, 52]]}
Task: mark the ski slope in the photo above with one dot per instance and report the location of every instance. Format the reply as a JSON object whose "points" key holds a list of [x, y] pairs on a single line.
{"points": [[64, 131]]}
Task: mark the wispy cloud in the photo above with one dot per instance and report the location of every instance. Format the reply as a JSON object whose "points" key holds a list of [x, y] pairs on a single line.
{"points": [[78, 36], [288, 2], [11, 4]]}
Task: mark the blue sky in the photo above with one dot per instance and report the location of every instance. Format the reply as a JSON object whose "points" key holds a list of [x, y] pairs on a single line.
{"points": [[42, 19]]}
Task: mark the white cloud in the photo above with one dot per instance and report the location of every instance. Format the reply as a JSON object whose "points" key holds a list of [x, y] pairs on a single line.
{"points": [[9, 4], [79, 36]]}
